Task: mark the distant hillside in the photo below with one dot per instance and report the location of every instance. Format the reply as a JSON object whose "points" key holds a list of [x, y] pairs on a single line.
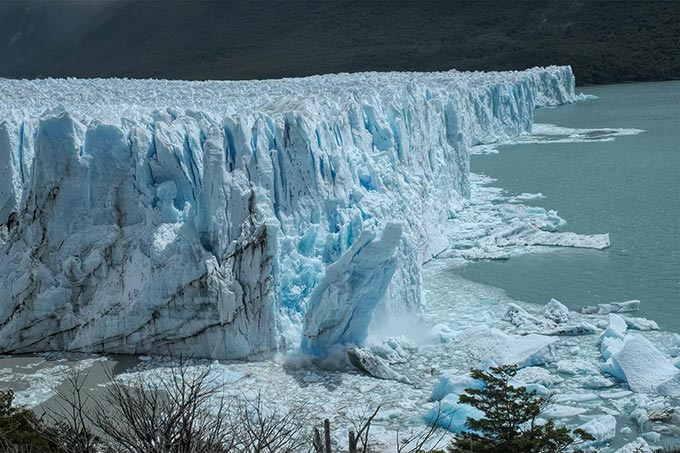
{"points": [[604, 41]]}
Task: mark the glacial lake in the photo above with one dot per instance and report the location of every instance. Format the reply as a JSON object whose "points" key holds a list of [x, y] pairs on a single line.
{"points": [[628, 187]]}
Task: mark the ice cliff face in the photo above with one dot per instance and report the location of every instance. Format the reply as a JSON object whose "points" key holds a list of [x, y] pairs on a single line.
{"points": [[232, 219]]}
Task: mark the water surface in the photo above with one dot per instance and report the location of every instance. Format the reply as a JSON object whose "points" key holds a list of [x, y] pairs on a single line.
{"points": [[629, 188]]}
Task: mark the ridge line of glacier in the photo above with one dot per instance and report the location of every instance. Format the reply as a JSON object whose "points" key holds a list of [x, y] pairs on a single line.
{"points": [[235, 219]]}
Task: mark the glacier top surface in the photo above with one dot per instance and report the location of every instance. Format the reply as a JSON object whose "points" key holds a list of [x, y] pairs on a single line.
{"points": [[129, 98]]}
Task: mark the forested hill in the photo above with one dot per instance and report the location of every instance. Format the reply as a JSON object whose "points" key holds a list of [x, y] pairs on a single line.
{"points": [[604, 41]]}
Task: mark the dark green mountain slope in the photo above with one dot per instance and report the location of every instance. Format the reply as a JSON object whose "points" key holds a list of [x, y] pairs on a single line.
{"points": [[604, 41]]}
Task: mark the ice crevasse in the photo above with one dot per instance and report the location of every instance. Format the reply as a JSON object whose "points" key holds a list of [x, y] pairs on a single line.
{"points": [[235, 219]]}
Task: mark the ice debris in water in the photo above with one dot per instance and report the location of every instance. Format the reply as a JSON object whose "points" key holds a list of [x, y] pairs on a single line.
{"points": [[492, 226]]}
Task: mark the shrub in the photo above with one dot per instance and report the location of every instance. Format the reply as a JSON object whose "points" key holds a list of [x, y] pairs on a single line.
{"points": [[21, 430]]}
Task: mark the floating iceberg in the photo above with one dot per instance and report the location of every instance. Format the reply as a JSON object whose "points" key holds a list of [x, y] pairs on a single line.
{"points": [[234, 219], [638, 362]]}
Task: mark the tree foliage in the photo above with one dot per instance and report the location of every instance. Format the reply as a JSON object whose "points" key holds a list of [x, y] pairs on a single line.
{"points": [[511, 418], [21, 430]]}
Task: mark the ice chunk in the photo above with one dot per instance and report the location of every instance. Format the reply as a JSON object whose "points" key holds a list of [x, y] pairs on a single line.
{"points": [[366, 361], [596, 382], [662, 415], [639, 445], [651, 436], [556, 311], [610, 346], [602, 428], [614, 307], [536, 375], [395, 349], [455, 384], [640, 416], [529, 235], [528, 322], [441, 333], [451, 414], [526, 196], [670, 387], [496, 348], [644, 368], [641, 323]]}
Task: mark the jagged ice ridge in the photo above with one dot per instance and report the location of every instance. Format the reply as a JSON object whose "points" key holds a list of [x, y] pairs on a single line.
{"points": [[234, 219]]}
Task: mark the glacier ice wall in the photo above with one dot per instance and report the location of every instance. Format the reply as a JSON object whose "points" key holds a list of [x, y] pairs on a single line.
{"points": [[233, 219]]}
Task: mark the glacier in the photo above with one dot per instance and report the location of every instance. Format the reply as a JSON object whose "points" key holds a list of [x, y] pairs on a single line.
{"points": [[231, 220]]}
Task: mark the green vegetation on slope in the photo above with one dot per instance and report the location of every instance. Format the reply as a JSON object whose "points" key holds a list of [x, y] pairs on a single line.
{"points": [[604, 41]]}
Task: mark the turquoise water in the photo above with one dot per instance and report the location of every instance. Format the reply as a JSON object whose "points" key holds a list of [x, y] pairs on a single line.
{"points": [[629, 188]]}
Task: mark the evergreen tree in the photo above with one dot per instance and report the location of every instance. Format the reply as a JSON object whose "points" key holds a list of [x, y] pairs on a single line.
{"points": [[21, 429], [510, 422]]}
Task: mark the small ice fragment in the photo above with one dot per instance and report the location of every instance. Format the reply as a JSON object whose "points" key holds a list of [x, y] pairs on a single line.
{"points": [[617, 327], [644, 367]]}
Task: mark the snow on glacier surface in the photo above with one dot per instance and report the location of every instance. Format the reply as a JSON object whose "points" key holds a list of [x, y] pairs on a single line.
{"points": [[231, 219]]}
